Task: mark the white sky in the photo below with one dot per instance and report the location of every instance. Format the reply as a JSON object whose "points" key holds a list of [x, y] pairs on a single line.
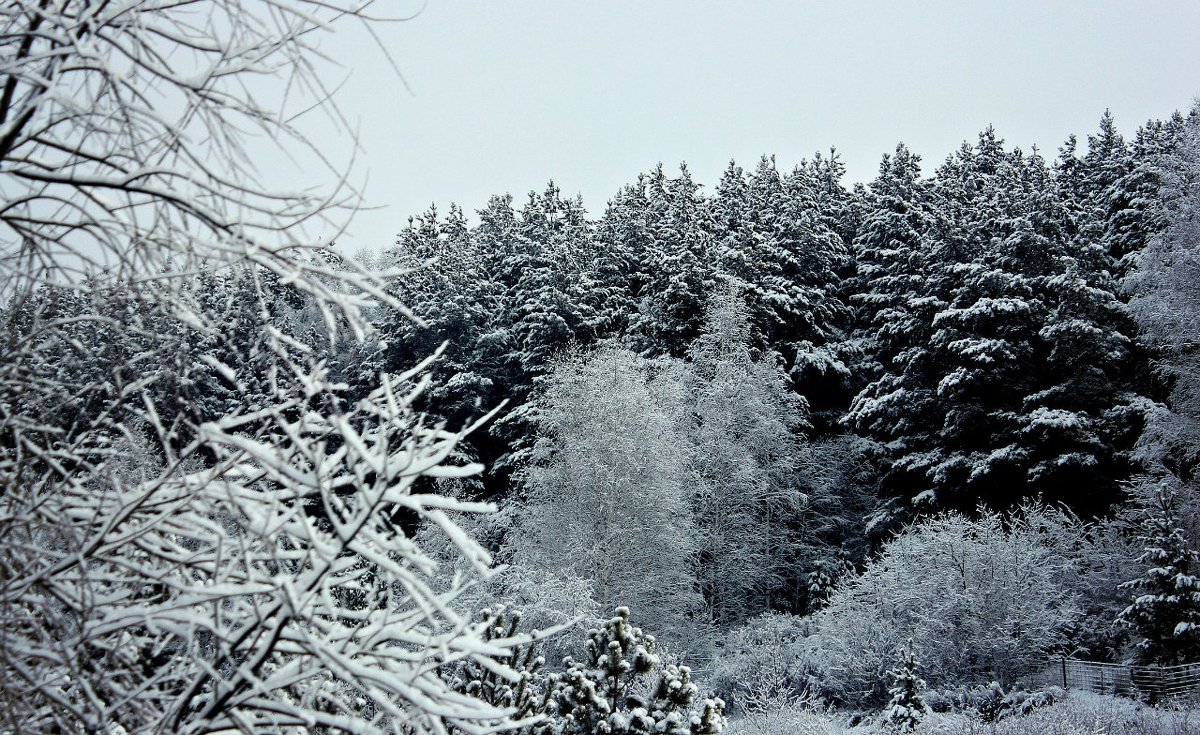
{"points": [[508, 95]]}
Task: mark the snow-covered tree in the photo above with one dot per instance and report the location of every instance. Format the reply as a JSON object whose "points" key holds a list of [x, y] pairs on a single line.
{"points": [[762, 663], [546, 305], [907, 707], [1165, 299], [746, 459], [604, 486], [1165, 611], [1005, 363], [1140, 201], [173, 565], [774, 240], [515, 689], [678, 265], [623, 688]]}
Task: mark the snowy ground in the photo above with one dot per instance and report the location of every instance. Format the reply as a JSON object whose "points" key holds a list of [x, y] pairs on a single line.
{"points": [[1080, 714]]}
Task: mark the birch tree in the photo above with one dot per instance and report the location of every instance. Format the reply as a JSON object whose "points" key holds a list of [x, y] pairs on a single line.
{"points": [[604, 488], [745, 459]]}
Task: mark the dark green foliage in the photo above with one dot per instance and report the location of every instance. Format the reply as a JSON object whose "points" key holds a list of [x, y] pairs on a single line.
{"points": [[1165, 612], [1001, 359], [623, 688], [907, 706]]}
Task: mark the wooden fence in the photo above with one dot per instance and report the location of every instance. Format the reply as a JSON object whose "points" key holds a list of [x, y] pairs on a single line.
{"points": [[1145, 682]]}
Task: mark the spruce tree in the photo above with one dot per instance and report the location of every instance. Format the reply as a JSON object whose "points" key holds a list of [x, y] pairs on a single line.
{"points": [[907, 707], [679, 268], [1165, 611], [1004, 358]]}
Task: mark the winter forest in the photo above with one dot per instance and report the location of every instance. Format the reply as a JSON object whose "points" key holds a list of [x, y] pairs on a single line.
{"points": [[769, 454]]}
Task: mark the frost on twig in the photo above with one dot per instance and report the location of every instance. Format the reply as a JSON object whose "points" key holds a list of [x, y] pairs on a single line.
{"points": [[271, 586], [125, 132], [205, 527]]}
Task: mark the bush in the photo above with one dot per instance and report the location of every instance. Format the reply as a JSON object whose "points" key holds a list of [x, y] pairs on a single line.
{"points": [[762, 664], [990, 703], [982, 599], [1077, 713], [1080, 713]]}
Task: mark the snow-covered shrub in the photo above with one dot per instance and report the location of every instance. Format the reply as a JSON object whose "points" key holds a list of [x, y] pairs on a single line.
{"points": [[1105, 556], [1078, 713], [990, 703], [762, 663], [982, 599], [1022, 701], [803, 718]]}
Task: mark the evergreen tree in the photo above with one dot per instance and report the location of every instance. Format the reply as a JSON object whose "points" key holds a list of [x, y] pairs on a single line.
{"points": [[894, 308], [1165, 298], [1139, 201], [622, 258], [605, 693], [679, 267], [1005, 360], [907, 707], [520, 694], [1165, 612], [545, 299], [774, 240]]}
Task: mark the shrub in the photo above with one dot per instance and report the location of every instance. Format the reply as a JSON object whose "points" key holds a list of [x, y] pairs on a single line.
{"points": [[982, 599], [763, 664]]}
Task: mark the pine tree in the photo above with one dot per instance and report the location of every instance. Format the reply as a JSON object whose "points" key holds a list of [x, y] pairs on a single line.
{"points": [[519, 694], [773, 239], [678, 264], [622, 261], [907, 707], [1138, 202], [1004, 355], [1165, 612], [601, 695], [546, 299]]}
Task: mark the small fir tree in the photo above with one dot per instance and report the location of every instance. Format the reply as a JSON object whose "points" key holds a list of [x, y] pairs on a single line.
{"points": [[1165, 611], [907, 707]]}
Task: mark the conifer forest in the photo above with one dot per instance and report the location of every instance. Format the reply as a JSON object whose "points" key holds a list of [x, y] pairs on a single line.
{"points": [[774, 453]]}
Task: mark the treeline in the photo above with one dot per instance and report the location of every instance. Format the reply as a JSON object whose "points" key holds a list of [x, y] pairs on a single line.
{"points": [[970, 324], [970, 327]]}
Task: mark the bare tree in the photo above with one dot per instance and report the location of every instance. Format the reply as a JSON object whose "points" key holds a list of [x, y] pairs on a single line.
{"points": [[162, 573]]}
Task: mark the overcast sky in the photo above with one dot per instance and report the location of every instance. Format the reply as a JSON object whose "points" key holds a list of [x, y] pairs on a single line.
{"points": [[508, 95]]}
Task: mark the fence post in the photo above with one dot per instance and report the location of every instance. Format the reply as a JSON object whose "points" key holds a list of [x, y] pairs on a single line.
{"points": [[1064, 671]]}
